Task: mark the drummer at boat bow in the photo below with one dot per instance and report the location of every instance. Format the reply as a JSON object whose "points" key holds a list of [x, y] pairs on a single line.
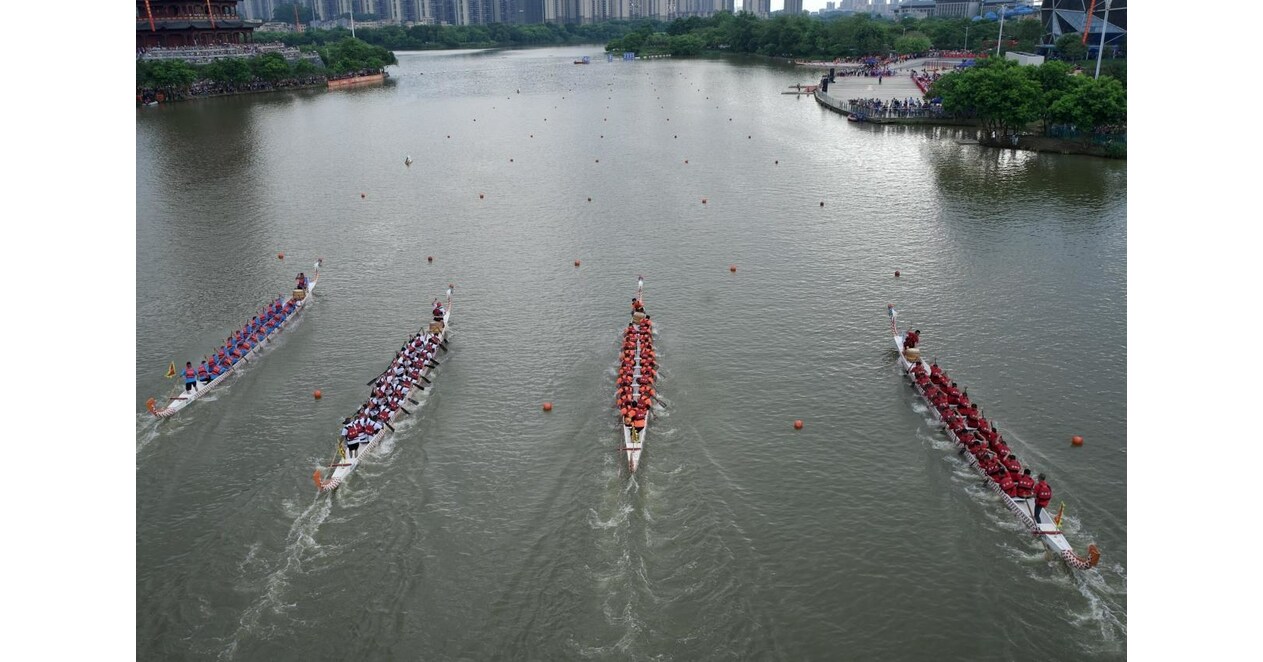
{"points": [[438, 311], [300, 282], [1043, 495], [911, 339], [190, 376]]}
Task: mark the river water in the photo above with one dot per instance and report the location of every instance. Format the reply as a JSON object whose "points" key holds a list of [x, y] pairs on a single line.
{"points": [[488, 529]]}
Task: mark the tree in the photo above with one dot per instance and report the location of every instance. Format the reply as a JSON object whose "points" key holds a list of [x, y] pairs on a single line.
{"points": [[686, 44], [913, 42], [1092, 104], [270, 67], [997, 92], [1071, 47], [352, 54], [1027, 32], [165, 74], [1054, 81]]}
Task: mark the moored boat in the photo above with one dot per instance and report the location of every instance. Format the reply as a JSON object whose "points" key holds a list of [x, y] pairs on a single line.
{"points": [[406, 372], [636, 376], [183, 397], [1047, 529]]}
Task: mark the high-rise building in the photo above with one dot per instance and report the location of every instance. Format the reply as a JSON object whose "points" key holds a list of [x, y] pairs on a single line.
{"points": [[760, 8], [793, 7], [257, 10]]}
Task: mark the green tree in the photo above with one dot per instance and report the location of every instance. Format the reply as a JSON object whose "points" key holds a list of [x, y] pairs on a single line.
{"points": [[686, 44], [997, 92], [166, 74], [871, 37], [1027, 32], [913, 42], [1071, 47], [1054, 80], [350, 54], [1093, 104], [270, 67]]}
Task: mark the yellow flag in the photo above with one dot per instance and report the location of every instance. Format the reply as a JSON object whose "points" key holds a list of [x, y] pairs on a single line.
{"points": [[171, 370]]}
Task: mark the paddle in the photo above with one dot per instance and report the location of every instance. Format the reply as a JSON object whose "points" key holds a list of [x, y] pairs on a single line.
{"points": [[387, 424], [404, 410], [413, 401]]}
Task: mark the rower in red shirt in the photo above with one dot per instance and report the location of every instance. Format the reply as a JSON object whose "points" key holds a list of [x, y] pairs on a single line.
{"points": [[1012, 465], [1025, 485], [1007, 486]]}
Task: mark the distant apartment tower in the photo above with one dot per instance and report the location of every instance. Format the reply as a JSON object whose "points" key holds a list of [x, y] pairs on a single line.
{"points": [[760, 8], [257, 10], [830, 6], [793, 7]]}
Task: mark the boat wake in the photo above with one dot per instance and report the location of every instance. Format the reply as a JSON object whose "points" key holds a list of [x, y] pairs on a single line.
{"points": [[300, 547]]}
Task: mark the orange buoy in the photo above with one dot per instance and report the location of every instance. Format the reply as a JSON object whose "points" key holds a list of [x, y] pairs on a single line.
{"points": [[896, 273], [777, 162], [510, 160], [732, 268], [686, 161], [598, 160], [703, 200], [822, 203], [798, 424], [449, 136], [361, 194], [576, 263], [589, 199], [280, 256], [317, 394], [1076, 440], [429, 258], [480, 196], [548, 406]]}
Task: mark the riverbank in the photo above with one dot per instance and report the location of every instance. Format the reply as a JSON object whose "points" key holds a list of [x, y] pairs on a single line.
{"points": [[1030, 143], [1110, 150]]}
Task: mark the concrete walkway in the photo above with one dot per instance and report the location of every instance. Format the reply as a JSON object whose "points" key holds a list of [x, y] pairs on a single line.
{"points": [[861, 87]]}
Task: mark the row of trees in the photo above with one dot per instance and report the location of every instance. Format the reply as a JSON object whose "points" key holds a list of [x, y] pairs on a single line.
{"points": [[350, 55], [1006, 97], [808, 37], [429, 37], [338, 58], [178, 74]]}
